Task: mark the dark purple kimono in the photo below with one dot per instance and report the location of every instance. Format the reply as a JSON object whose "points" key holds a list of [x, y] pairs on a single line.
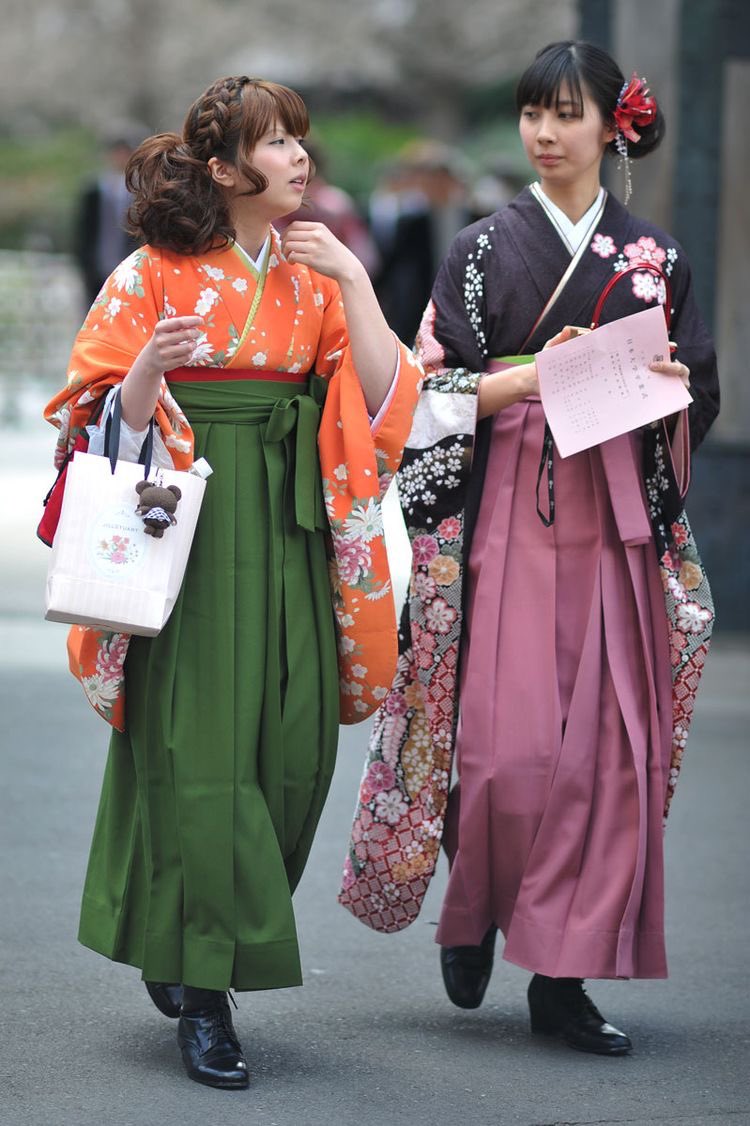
{"points": [[487, 301]]}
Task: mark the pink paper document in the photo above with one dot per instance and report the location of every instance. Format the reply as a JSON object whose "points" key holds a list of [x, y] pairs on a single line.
{"points": [[599, 385]]}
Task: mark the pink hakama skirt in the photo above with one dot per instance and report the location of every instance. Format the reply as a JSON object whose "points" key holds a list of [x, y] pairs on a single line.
{"points": [[555, 827]]}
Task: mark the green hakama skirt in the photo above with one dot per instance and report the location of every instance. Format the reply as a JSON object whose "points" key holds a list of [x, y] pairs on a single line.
{"points": [[212, 795]]}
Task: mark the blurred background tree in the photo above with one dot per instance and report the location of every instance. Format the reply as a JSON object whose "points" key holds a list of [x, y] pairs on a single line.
{"points": [[379, 76], [374, 76]]}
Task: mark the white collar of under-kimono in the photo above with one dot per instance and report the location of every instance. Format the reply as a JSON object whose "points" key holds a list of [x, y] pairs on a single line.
{"points": [[256, 263], [572, 234]]}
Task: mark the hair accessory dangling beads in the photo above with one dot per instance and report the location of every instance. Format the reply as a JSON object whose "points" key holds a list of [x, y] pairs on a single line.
{"points": [[635, 106]]}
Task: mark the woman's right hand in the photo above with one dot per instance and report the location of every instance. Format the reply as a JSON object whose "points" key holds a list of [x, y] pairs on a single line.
{"points": [[564, 335], [527, 374], [172, 344], [501, 389]]}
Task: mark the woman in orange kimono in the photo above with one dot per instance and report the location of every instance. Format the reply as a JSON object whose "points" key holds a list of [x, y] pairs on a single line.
{"points": [[226, 723]]}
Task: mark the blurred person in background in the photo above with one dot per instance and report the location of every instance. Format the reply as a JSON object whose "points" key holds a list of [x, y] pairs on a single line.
{"points": [[572, 589], [416, 210], [495, 187], [102, 240], [269, 357]]}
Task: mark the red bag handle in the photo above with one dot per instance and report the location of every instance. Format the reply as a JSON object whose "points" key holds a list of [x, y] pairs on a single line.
{"points": [[667, 307], [679, 444]]}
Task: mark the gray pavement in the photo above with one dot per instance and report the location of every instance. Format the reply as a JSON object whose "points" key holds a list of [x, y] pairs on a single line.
{"points": [[370, 1039]]}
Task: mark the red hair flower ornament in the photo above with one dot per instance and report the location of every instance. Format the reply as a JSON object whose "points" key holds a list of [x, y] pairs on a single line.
{"points": [[635, 106]]}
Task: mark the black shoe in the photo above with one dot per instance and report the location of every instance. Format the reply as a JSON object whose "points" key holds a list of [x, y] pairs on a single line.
{"points": [[210, 1049], [467, 970], [167, 998], [559, 1005]]}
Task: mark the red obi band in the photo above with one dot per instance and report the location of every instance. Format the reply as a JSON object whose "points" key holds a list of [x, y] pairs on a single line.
{"points": [[208, 375]]}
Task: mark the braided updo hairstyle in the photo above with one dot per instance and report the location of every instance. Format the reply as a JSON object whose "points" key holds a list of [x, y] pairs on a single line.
{"points": [[177, 204], [572, 65]]}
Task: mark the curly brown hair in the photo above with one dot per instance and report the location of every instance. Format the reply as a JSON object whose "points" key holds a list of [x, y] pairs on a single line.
{"points": [[177, 204]]}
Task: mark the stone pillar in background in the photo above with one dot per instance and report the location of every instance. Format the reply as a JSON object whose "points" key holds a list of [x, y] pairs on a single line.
{"points": [[645, 41], [733, 288], [697, 184], [696, 55], [595, 22]]}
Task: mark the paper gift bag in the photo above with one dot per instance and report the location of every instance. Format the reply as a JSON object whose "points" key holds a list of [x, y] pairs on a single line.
{"points": [[105, 570]]}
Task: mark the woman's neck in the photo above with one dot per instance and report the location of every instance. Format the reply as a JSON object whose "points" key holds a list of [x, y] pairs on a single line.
{"points": [[574, 200], [250, 234]]}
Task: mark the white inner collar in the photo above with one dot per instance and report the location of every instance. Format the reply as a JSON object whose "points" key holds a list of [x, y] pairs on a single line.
{"points": [[256, 263], [572, 234]]}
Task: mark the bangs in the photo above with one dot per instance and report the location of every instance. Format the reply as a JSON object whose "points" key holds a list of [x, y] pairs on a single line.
{"points": [[553, 73], [267, 104]]}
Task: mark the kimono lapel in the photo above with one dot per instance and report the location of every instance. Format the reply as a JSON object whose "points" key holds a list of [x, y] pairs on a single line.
{"points": [[525, 226], [582, 277], [259, 278], [232, 290], [575, 260]]}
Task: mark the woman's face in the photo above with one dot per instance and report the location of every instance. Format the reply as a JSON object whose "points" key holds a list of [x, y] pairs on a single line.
{"points": [[283, 161], [565, 143]]}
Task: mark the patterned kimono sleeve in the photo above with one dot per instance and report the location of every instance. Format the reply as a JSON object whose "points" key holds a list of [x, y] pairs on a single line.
{"points": [[694, 348], [356, 467], [399, 818], [687, 594], [345, 402], [452, 331], [118, 325]]}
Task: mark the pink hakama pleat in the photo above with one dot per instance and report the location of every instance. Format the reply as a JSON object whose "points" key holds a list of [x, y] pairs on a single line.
{"points": [[555, 829]]}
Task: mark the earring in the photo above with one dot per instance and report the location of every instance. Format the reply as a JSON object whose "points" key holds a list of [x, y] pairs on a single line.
{"points": [[623, 163]]}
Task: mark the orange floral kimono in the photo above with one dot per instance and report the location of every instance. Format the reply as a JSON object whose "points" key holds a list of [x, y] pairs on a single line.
{"points": [[282, 318]]}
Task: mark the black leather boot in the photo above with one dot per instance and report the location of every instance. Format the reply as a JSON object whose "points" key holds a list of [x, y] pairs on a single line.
{"points": [[166, 997], [467, 970], [210, 1049], [560, 1006]]}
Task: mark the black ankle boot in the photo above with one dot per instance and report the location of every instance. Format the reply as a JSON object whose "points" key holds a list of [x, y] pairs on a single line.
{"points": [[166, 997], [467, 970], [560, 1006], [210, 1049]]}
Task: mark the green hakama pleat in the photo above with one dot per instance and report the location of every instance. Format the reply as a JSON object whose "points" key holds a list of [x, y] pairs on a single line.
{"points": [[212, 795]]}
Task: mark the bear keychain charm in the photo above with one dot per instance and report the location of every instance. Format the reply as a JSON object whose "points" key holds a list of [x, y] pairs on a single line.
{"points": [[157, 506]]}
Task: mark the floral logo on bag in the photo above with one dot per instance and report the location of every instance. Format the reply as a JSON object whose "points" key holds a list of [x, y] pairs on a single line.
{"points": [[118, 544], [118, 550]]}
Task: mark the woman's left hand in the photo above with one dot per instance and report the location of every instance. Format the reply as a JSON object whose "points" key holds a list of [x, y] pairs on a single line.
{"points": [[672, 367], [312, 244]]}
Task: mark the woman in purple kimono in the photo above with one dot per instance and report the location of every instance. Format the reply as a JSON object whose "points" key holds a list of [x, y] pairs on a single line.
{"points": [[570, 589]]}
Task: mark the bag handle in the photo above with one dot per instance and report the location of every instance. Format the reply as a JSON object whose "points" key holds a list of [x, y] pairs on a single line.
{"points": [[679, 451], [112, 437], [667, 306]]}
